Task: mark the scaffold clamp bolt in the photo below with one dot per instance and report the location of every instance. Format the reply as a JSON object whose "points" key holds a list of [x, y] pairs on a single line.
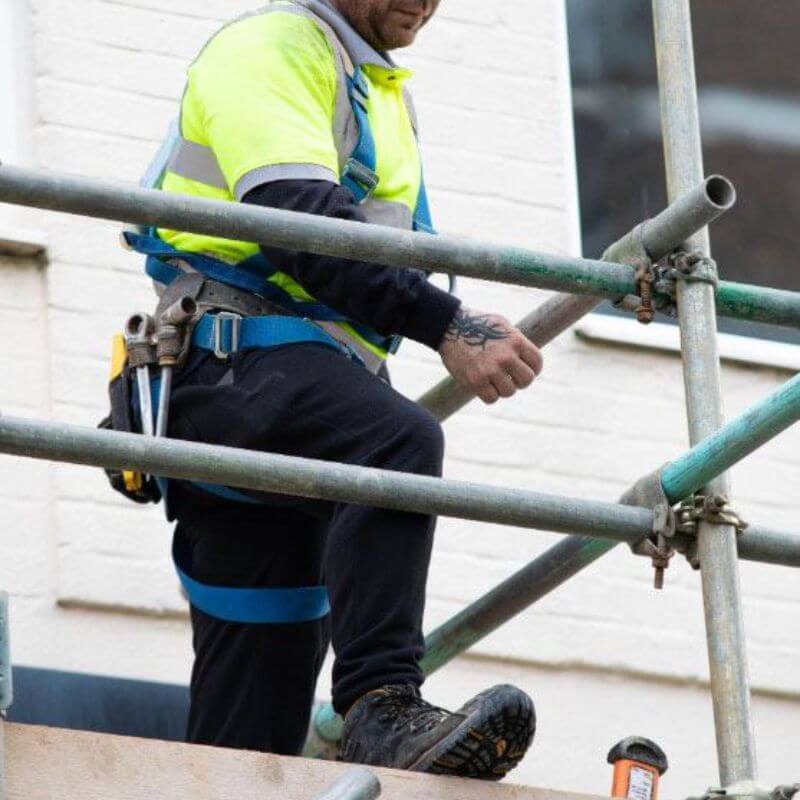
{"points": [[714, 509]]}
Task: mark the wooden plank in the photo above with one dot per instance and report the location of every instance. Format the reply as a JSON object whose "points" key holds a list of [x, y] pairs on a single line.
{"points": [[55, 764]]}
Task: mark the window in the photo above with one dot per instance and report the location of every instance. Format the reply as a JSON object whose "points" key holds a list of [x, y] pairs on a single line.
{"points": [[749, 89]]}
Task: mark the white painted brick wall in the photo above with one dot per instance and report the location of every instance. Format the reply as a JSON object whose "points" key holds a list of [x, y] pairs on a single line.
{"points": [[90, 576]]}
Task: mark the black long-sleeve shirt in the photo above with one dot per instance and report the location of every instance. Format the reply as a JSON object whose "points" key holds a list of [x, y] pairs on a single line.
{"points": [[392, 301]]}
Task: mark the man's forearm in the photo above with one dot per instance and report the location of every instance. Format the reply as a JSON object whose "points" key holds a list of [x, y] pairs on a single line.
{"points": [[392, 301]]}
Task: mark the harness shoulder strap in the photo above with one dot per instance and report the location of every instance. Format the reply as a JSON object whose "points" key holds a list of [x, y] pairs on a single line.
{"points": [[356, 144]]}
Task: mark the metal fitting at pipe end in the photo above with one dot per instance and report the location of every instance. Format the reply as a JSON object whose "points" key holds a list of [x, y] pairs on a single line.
{"points": [[647, 492], [659, 549], [180, 312], [140, 340], [171, 328]]}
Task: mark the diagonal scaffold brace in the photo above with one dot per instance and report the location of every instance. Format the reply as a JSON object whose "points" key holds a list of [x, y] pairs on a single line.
{"points": [[586, 281]]}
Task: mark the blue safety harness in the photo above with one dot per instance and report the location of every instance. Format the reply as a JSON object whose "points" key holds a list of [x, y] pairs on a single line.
{"points": [[253, 273], [225, 334]]}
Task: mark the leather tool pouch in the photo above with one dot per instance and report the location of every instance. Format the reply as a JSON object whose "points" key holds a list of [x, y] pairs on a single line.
{"points": [[134, 485], [122, 389]]}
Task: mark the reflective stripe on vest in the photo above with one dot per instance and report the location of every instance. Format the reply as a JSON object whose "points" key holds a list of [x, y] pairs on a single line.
{"points": [[352, 135], [357, 156]]}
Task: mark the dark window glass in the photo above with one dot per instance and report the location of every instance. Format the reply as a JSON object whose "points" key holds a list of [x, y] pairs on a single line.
{"points": [[749, 84]]}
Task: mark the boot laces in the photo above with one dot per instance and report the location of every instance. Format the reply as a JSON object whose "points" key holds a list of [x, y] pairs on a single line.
{"points": [[403, 705]]}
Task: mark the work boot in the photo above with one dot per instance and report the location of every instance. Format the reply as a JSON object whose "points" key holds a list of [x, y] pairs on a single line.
{"points": [[394, 727]]}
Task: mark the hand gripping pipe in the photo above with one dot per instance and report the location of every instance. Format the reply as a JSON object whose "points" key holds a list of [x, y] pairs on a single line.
{"points": [[655, 238], [370, 243]]}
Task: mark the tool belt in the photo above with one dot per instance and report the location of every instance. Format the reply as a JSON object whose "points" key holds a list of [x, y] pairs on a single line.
{"points": [[226, 320]]}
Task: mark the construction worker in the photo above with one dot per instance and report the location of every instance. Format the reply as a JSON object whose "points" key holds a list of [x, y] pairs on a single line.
{"points": [[298, 106]]}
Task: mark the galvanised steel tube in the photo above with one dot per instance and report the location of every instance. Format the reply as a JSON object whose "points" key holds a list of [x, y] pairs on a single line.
{"points": [[716, 544], [521, 590], [356, 784], [449, 254], [324, 480], [311, 233], [758, 304], [658, 236], [769, 546]]}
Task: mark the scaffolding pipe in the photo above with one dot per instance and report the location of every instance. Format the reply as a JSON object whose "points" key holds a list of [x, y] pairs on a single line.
{"points": [[503, 602], [356, 784], [322, 480], [713, 455], [326, 480], [716, 543], [561, 562], [521, 590], [317, 234], [657, 237], [371, 243]]}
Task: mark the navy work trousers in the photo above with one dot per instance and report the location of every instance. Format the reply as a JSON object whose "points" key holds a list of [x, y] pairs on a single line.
{"points": [[253, 685]]}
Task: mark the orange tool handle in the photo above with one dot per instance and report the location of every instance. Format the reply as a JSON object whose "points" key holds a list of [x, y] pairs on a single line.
{"points": [[634, 780]]}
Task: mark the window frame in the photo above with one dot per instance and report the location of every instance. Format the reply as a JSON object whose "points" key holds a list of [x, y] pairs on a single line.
{"points": [[751, 346], [754, 350]]}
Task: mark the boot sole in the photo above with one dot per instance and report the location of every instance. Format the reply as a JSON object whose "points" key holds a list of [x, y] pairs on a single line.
{"points": [[490, 742]]}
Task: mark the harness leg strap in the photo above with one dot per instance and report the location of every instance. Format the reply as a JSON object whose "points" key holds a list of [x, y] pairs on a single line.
{"points": [[251, 606]]}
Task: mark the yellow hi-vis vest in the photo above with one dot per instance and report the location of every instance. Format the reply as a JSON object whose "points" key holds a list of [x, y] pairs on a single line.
{"points": [[293, 92]]}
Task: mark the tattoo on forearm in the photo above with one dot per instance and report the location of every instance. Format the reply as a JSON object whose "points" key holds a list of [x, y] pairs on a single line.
{"points": [[474, 330]]}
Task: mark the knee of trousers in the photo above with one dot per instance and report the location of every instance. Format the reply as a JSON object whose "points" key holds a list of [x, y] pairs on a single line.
{"points": [[419, 440]]}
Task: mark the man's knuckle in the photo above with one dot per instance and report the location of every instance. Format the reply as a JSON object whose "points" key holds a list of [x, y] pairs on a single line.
{"points": [[506, 362]]}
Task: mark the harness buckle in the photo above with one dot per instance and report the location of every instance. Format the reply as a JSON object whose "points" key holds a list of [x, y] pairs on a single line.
{"points": [[225, 334], [365, 178]]}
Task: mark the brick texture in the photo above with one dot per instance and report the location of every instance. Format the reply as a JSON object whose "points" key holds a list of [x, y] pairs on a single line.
{"points": [[492, 93]]}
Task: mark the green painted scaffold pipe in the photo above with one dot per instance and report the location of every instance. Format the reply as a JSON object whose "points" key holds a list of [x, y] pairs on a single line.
{"points": [[757, 425], [371, 243]]}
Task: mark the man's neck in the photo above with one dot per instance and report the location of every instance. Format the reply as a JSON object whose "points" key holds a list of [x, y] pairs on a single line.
{"points": [[337, 6]]}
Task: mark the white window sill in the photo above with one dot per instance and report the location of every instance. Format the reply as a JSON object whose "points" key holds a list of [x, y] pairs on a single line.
{"points": [[658, 336], [22, 243]]}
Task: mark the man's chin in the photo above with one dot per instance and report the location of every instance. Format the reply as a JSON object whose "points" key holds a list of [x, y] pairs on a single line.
{"points": [[402, 37]]}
